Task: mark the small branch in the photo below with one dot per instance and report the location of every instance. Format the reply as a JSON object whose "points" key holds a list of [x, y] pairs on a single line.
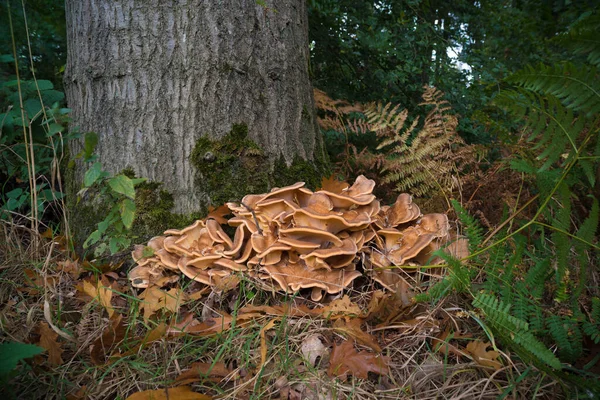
{"points": [[260, 232]]}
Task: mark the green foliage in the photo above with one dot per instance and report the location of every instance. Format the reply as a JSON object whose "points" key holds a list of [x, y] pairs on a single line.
{"points": [[119, 191], [13, 352], [537, 294], [514, 330]]}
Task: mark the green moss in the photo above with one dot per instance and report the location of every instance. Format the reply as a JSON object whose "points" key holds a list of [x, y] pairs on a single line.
{"points": [[229, 168]]}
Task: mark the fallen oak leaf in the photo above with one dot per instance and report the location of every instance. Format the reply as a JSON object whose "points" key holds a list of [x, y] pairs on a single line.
{"points": [[333, 185], [341, 307], [477, 349], [154, 335], [352, 328], [154, 299], [442, 343], [218, 214], [100, 291], [48, 341], [200, 371], [175, 393], [312, 348], [345, 359], [112, 335]]}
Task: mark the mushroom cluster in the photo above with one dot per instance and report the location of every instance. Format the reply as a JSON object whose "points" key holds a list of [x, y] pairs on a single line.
{"points": [[298, 239]]}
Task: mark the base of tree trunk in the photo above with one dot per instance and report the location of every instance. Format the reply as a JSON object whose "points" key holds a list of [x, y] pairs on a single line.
{"points": [[228, 169]]}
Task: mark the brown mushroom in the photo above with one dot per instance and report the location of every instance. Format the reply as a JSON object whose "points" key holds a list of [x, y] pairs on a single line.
{"points": [[295, 276], [308, 234]]}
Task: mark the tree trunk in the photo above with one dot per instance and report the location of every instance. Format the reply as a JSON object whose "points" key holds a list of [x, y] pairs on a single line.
{"points": [[161, 82]]}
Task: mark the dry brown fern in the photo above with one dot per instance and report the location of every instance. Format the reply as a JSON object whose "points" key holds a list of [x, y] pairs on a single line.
{"points": [[422, 161]]}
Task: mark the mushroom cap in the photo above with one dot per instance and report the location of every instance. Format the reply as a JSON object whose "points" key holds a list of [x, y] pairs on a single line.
{"points": [[436, 224], [248, 250], [274, 208], [402, 211], [203, 276], [360, 193], [361, 186], [300, 246], [392, 237], [238, 242], [217, 234], [176, 232], [411, 244], [202, 262], [139, 277], [237, 221], [287, 193], [309, 234], [292, 277], [330, 223], [169, 260]]}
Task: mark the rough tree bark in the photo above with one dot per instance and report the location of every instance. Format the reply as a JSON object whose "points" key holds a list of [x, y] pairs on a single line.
{"points": [[153, 77]]}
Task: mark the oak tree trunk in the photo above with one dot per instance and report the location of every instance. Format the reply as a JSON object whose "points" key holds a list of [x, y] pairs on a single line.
{"points": [[152, 77]]}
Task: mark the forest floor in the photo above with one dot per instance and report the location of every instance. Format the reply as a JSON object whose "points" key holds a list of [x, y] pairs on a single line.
{"points": [[102, 341]]}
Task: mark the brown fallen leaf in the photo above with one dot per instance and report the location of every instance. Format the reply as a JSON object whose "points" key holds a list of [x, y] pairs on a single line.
{"points": [[263, 342], [175, 393], [101, 291], [112, 335], [78, 395], [36, 282], [209, 327], [345, 359], [352, 328], [332, 185], [70, 267], [219, 213], [312, 348], [481, 356], [200, 371], [442, 342], [48, 341], [343, 306], [155, 299], [155, 334]]}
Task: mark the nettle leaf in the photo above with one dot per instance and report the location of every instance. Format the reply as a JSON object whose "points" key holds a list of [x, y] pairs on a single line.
{"points": [[93, 238], [127, 212], [122, 185], [116, 243], [92, 174]]}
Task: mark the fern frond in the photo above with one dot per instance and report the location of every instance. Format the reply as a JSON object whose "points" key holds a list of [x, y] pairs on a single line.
{"points": [[586, 233], [514, 330], [577, 86], [567, 335], [584, 38], [473, 230]]}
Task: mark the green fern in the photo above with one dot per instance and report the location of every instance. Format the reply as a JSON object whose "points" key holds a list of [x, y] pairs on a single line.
{"points": [[576, 86], [584, 38], [514, 330], [592, 327]]}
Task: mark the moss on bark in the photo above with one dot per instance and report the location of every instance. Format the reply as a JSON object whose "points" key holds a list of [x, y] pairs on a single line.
{"points": [[227, 170], [231, 167]]}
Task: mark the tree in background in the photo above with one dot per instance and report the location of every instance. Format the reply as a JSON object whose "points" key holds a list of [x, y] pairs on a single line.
{"points": [[388, 50], [212, 101]]}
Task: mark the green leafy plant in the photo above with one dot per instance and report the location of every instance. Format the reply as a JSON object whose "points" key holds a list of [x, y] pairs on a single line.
{"points": [[118, 190], [535, 293], [12, 353]]}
